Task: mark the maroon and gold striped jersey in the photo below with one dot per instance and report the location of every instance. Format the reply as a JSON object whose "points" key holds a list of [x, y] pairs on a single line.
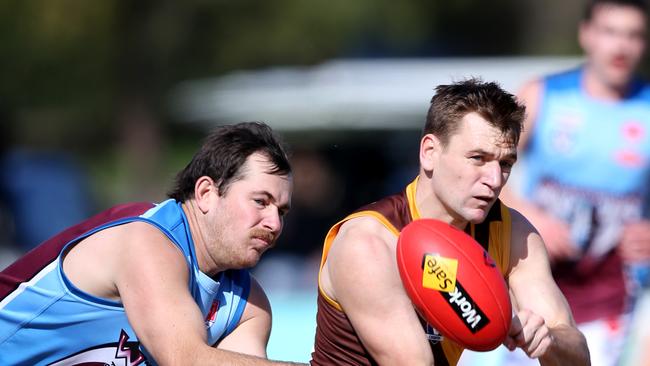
{"points": [[336, 340]]}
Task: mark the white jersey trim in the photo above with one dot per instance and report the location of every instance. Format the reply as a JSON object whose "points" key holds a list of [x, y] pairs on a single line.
{"points": [[24, 285]]}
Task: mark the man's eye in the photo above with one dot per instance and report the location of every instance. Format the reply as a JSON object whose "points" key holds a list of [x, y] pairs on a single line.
{"points": [[260, 202]]}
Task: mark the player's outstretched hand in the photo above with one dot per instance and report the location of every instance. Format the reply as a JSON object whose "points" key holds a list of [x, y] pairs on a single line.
{"points": [[529, 332], [635, 242]]}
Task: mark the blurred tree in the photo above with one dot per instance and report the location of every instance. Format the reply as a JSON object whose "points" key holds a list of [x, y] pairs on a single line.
{"points": [[55, 56], [90, 77]]}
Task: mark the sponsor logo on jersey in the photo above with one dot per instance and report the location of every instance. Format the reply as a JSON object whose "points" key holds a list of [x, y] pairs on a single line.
{"points": [[432, 334], [629, 158], [564, 133], [630, 152], [633, 131], [212, 314], [121, 353]]}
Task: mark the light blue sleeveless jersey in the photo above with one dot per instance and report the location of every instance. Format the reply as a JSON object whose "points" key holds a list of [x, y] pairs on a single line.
{"points": [[49, 321], [588, 161]]}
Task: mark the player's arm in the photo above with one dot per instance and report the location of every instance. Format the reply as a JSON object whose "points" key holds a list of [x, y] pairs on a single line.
{"points": [[634, 246], [530, 95], [361, 274], [254, 329], [152, 284], [543, 325]]}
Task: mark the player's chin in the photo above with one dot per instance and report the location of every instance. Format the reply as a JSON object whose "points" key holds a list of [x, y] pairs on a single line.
{"points": [[620, 76], [476, 215], [251, 260]]}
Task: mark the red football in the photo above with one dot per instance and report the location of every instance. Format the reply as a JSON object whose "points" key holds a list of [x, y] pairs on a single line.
{"points": [[454, 284]]}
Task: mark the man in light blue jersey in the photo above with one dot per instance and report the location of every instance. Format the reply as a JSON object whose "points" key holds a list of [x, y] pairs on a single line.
{"points": [[162, 283], [586, 154]]}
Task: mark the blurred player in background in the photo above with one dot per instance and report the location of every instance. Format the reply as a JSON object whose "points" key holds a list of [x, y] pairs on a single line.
{"points": [[467, 150], [165, 283], [586, 148]]}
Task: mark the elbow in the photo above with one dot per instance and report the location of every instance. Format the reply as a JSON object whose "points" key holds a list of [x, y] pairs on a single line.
{"points": [[178, 356], [416, 359]]}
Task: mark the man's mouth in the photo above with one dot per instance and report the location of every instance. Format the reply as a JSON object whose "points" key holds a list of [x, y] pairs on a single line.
{"points": [[486, 199], [619, 62], [265, 237]]}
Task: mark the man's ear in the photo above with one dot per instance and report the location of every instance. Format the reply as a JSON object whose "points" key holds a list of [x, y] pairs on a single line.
{"points": [[203, 188], [430, 146], [584, 35]]}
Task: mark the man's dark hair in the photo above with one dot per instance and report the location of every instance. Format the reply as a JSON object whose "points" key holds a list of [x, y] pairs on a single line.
{"points": [[452, 102], [593, 4], [223, 154]]}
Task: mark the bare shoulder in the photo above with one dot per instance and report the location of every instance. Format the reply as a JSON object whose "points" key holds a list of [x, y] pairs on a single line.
{"points": [[363, 249], [530, 95], [258, 304], [365, 282], [530, 91], [360, 237], [520, 224], [144, 241], [527, 248], [96, 263], [133, 236], [522, 229], [147, 248]]}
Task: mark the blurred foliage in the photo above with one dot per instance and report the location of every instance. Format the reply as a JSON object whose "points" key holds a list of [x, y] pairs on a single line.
{"points": [[91, 77], [75, 60]]}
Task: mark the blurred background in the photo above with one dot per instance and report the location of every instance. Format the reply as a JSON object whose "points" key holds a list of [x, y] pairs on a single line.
{"points": [[103, 102]]}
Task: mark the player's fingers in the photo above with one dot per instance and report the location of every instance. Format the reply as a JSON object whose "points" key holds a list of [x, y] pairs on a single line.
{"points": [[542, 347], [531, 327], [637, 230], [515, 333], [539, 339], [530, 322], [509, 343]]}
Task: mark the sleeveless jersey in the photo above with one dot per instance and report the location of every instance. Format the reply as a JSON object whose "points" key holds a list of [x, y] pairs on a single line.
{"points": [[45, 319], [588, 163], [336, 340]]}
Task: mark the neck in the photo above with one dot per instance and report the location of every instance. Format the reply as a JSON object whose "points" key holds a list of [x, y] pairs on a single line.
{"points": [[206, 263], [598, 88], [429, 205]]}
